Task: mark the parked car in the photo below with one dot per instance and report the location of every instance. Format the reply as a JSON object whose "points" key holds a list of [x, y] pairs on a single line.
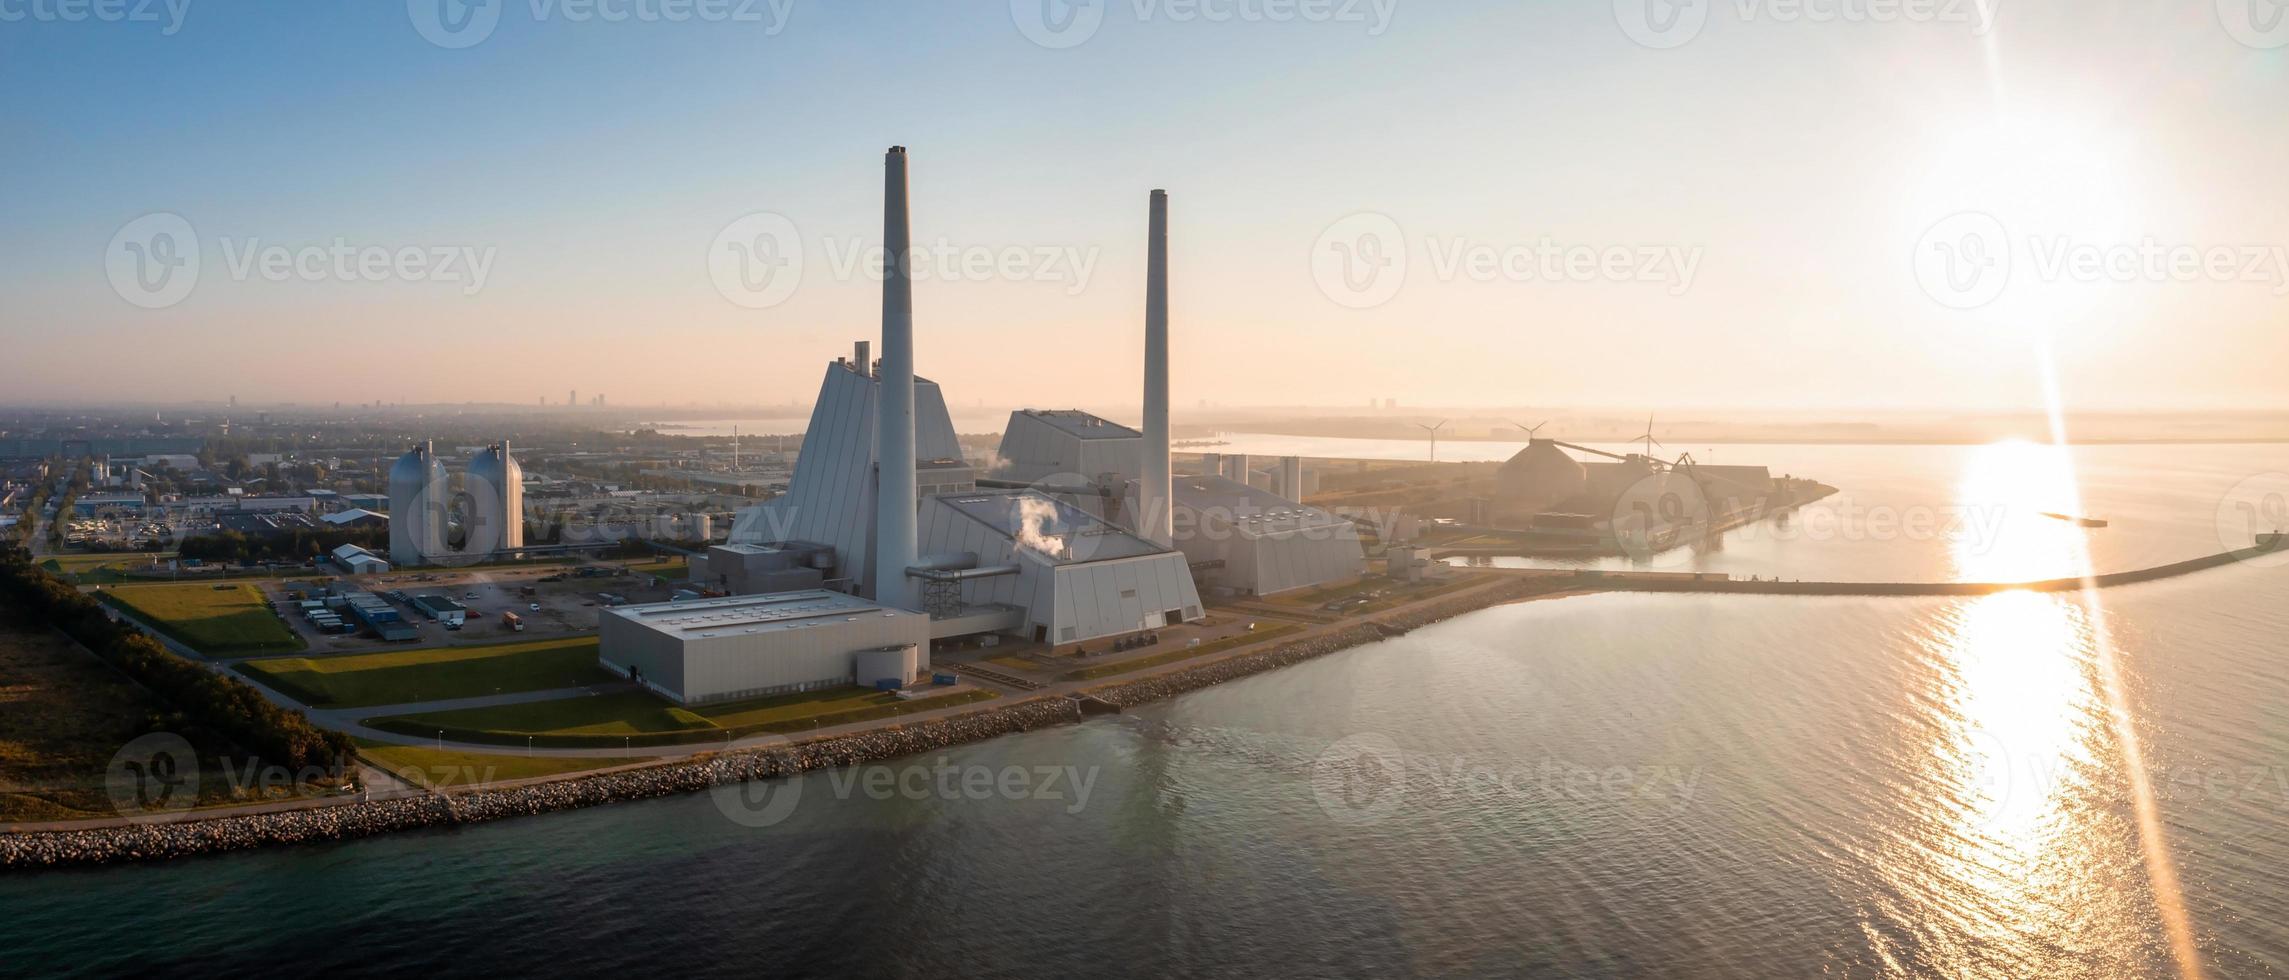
{"points": [[536, 607]]}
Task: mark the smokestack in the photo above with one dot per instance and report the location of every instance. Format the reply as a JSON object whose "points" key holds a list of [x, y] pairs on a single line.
{"points": [[1291, 478], [894, 493], [1154, 490], [860, 357]]}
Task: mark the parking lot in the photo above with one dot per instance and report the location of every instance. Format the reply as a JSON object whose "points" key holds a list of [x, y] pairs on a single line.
{"points": [[568, 605]]}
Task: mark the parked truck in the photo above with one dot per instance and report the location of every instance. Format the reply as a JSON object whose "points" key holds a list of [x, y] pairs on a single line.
{"points": [[513, 621]]}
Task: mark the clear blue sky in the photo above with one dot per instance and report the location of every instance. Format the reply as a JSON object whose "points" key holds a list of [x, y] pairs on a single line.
{"points": [[597, 162]]}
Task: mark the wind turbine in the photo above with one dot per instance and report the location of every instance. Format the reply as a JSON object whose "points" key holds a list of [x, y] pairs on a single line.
{"points": [[1647, 438], [1533, 432], [1434, 431]]}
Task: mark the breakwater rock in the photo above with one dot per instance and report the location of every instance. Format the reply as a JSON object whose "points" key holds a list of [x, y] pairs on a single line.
{"points": [[757, 759]]}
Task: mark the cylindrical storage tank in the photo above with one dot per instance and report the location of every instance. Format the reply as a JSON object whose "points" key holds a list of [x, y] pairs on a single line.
{"points": [[1291, 478], [1236, 467], [485, 481], [417, 508], [701, 527], [1212, 464], [901, 664]]}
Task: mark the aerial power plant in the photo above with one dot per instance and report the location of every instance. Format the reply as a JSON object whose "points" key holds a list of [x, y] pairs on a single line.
{"points": [[434, 522], [1070, 542]]}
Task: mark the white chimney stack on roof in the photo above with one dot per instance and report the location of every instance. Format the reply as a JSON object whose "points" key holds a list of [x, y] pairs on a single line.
{"points": [[1154, 492], [896, 502]]}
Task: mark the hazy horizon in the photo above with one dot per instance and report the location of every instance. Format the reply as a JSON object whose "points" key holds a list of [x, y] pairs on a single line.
{"points": [[1752, 245]]}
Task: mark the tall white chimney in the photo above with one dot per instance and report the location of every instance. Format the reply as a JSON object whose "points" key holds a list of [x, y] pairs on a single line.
{"points": [[1291, 478], [1153, 517], [894, 493]]}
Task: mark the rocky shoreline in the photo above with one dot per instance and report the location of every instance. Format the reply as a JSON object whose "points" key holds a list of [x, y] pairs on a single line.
{"points": [[760, 759]]}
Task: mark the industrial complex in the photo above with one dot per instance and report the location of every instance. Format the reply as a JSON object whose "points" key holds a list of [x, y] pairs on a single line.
{"points": [[1073, 538]]}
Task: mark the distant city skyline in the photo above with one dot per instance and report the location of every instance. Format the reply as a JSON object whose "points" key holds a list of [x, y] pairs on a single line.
{"points": [[1548, 206]]}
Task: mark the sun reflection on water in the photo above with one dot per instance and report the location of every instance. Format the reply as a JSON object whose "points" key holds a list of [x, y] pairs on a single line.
{"points": [[2033, 844]]}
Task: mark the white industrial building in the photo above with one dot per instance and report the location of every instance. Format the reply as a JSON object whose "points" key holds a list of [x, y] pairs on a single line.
{"points": [[1248, 541], [738, 647], [1068, 447], [1075, 577], [359, 561], [831, 500]]}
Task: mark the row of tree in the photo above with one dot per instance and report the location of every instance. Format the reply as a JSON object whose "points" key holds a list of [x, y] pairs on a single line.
{"points": [[290, 546], [207, 701]]}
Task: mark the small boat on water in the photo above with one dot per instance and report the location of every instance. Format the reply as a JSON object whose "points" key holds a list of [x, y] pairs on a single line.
{"points": [[2071, 519]]}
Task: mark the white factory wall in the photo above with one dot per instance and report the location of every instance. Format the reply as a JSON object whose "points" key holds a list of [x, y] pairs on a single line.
{"points": [[1033, 448], [752, 661], [1073, 602]]}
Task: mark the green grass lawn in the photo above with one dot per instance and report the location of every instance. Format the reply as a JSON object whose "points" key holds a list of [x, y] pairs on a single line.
{"points": [[451, 768], [640, 718], [230, 621], [669, 568], [1257, 635], [403, 677]]}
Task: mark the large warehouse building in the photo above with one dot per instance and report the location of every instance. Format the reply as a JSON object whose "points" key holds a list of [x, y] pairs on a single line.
{"points": [[1252, 542], [749, 646]]}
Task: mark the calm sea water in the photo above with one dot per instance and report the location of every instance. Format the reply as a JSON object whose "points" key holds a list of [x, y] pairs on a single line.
{"points": [[2009, 786]]}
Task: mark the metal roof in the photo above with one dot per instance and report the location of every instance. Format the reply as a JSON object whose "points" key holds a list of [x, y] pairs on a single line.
{"points": [[703, 618], [1080, 424], [1005, 512]]}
